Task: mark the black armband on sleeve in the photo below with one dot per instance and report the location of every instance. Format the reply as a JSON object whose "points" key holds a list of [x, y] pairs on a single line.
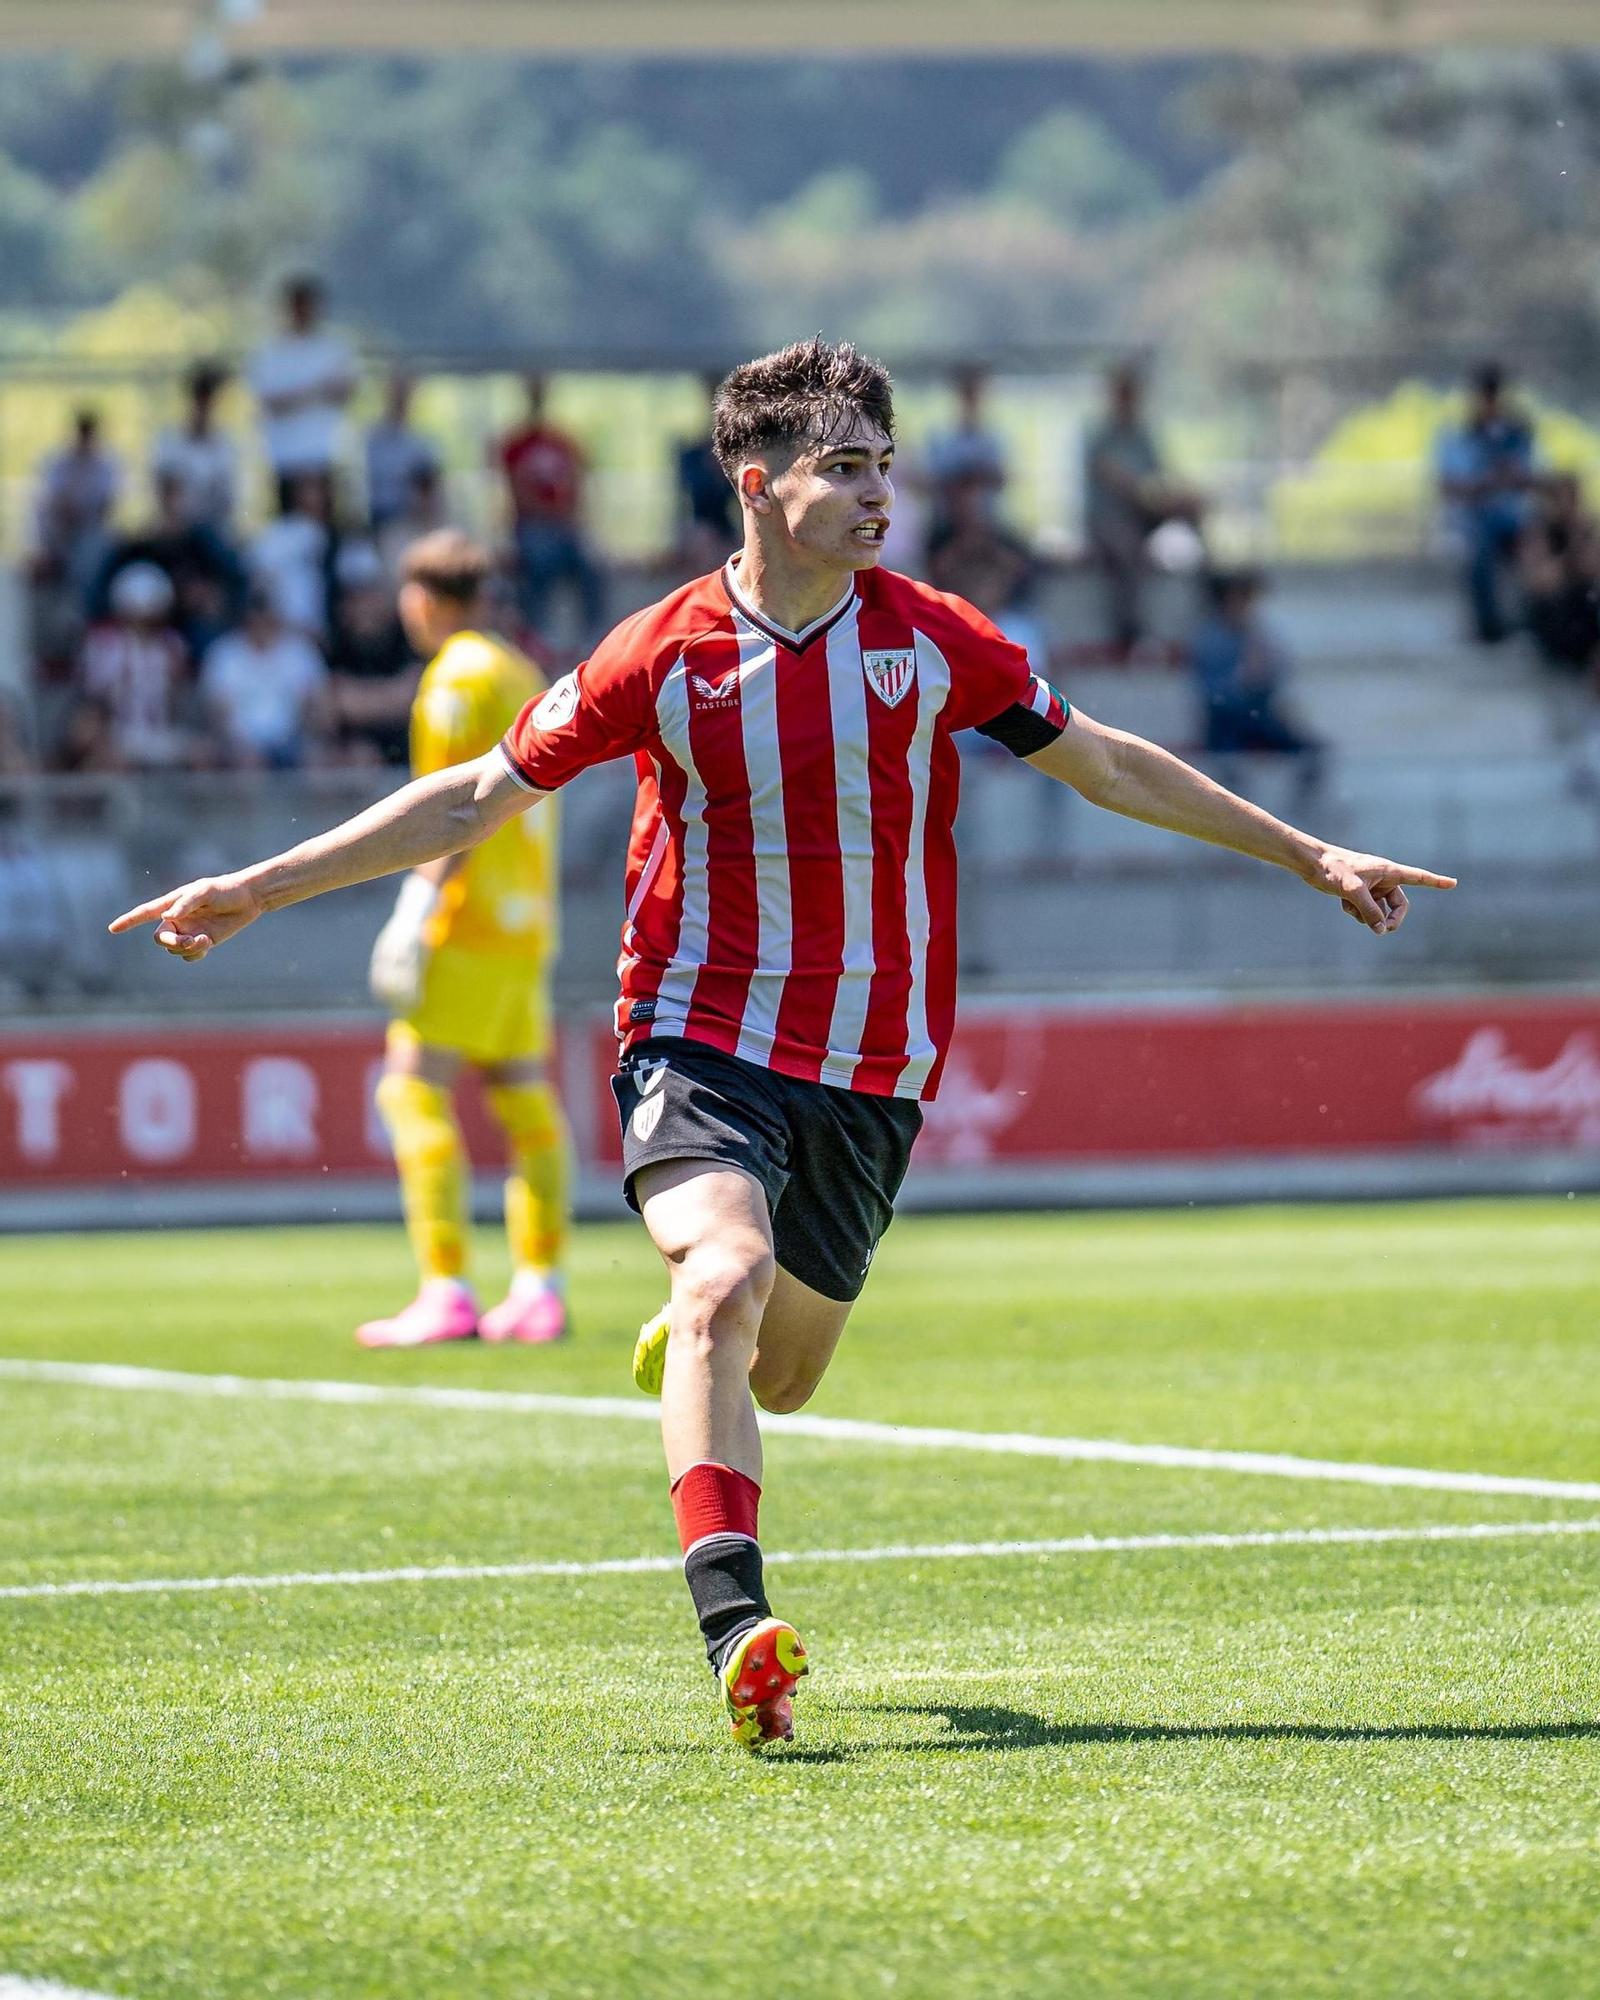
{"points": [[1027, 726]]}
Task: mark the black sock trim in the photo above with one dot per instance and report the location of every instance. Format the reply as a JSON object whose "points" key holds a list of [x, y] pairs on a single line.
{"points": [[724, 1576]]}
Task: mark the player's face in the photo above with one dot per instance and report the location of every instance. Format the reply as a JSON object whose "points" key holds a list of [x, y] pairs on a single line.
{"points": [[419, 619], [835, 500]]}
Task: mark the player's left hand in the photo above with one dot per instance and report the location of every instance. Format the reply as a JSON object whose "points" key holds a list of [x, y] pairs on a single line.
{"points": [[1370, 888], [399, 954]]}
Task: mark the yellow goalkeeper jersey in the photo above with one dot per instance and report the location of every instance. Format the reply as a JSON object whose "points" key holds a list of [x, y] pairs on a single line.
{"points": [[505, 899]]}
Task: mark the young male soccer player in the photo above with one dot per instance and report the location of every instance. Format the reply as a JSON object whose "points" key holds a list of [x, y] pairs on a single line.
{"points": [[788, 961], [464, 963]]}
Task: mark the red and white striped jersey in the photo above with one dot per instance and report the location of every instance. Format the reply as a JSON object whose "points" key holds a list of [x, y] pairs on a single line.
{"points": [[791, 874]]}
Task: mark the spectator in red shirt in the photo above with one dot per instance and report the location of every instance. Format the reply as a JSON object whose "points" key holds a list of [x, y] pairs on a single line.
{"points": [[544, 471]]}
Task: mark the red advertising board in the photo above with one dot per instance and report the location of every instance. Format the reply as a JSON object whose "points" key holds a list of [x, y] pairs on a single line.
{"points": [[1026, 1084]]}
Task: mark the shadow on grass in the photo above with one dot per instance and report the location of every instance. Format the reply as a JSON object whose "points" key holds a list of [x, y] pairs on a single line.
{"points": [[974, 1730], [985, 1728]]}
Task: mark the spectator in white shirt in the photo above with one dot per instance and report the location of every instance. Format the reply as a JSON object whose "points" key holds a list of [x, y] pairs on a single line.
{"points": [[78, 487], [201, 458], [293, 555], [266, 688], [302, 378], [395, 454]]}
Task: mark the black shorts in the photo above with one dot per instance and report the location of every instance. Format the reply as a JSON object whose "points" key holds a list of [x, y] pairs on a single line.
{"points": [[831, 1161]]}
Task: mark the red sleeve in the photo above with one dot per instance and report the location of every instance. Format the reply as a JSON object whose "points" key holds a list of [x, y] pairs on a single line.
{"points": [[601, 710], [988, 674]]}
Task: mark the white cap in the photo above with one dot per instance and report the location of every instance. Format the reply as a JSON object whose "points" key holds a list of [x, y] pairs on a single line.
{"points": [[142, 590]]}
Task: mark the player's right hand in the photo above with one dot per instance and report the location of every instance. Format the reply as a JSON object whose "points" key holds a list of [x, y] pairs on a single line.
{"points": [[190, 920]]}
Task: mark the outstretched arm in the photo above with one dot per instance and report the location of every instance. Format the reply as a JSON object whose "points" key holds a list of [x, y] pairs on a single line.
{"points": [[433, 816], [1130, 776]]}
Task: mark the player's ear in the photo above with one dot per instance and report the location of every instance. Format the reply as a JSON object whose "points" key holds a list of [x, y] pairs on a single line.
{"points": [[755, 488]]}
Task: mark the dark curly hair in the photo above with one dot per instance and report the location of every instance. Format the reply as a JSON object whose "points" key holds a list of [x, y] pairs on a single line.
{"points": [[805, 394]]}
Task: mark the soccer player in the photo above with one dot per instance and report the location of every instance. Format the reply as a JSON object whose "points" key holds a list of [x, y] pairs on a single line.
{"points": [[788, 959], [464, 964]]}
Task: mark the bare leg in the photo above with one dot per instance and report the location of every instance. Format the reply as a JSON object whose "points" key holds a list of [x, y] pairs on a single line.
{"points": [[711, 1225], [799, 1331]]}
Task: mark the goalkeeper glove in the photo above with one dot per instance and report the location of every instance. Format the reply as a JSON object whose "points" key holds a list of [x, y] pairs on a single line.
{"points": [[399, 955]]}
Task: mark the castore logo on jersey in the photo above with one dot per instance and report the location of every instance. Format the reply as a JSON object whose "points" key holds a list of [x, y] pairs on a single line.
{"points": [[723, 693]]}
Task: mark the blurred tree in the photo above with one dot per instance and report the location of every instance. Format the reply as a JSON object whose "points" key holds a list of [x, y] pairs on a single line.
{"points": [[32, 227], [1072, 169], [1428, 211]]}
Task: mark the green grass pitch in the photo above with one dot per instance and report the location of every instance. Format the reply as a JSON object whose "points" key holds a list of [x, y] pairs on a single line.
{"points": [[1292, 1770]]}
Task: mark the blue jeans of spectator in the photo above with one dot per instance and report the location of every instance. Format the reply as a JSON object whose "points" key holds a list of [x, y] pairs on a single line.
{"points": [[1252, 723], [549, 554], [1492, 534]]}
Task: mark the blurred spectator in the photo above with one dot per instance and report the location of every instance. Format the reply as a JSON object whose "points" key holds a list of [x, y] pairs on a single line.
{"points": [[302, 378], [1127, 498], [965, 466], [395, 455], [544, 472], [201, 458], [135, 665], [293, 555], [905, 546], [88, 738], [708, 507], [16, 754], [423, 512], [56, 620], [995, 573], [205, 572], [33, 926], [78, 487], [1559, 570], [1241, 670], [265, 688], [1487, 466], [375, 674]]}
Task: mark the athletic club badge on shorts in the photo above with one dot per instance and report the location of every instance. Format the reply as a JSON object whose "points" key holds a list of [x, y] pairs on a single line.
{"points": [[647, 1080], [891, 676]]}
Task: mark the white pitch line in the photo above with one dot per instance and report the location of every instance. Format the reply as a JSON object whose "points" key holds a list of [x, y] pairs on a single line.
{"points": [[12, 1988], [836, 1430], [1068, 1545]]}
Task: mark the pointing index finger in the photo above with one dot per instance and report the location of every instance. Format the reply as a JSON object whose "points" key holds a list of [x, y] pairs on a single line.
{"points": [[144, 913], [1422, 878]]}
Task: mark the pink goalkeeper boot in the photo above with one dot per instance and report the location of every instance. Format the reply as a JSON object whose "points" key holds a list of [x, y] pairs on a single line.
{"points": [[443, 1310], [534, 1312]]}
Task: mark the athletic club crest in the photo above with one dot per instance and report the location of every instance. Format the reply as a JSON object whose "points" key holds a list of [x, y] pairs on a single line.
{"points": [[891, 676]]}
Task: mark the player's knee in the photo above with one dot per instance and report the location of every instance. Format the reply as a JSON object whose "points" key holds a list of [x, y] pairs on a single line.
{"points": [[783, 1397], [720, 1293]]}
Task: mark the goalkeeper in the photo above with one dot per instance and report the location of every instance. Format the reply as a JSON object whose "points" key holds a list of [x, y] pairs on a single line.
{"points": [[464, 967]]}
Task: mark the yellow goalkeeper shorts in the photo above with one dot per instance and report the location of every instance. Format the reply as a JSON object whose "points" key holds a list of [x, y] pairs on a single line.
{"points": [[485, 1007]]}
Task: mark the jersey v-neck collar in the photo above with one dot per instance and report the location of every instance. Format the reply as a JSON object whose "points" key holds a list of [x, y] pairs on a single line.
{"points": [[795, 641]]}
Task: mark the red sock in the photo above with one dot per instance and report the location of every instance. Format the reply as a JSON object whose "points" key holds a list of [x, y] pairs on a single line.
{"points": [[712, 1499]]}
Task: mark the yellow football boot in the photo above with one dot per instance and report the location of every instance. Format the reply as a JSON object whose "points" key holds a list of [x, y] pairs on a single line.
{"points": [[650, 1353], [758, 1682]]}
